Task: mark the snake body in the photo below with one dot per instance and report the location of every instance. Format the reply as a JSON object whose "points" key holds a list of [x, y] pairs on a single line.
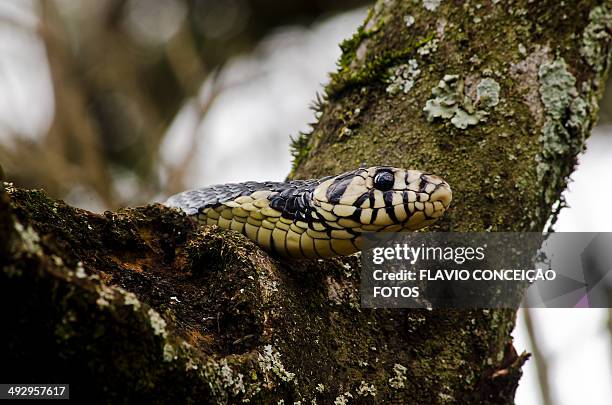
{"points": [[321, 218]]}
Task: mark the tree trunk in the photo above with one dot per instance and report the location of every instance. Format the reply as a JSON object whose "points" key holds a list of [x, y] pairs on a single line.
{"points": [[139, 304]]}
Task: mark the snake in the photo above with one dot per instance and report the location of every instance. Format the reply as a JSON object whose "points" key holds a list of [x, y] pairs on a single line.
{"points": [[320, 218]]}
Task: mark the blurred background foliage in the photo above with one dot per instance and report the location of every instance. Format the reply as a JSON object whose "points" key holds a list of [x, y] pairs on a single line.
{"points": [[110, 103], [121, 71]]}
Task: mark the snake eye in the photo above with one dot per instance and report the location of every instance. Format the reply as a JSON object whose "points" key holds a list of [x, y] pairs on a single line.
{"points": [[384, 181]]}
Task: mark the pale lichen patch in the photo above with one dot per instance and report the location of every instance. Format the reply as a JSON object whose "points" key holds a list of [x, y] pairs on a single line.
{"points": [[431, 5], [428, 48], [403, 77], [270, 362], [487, 93], [343, 399], [398, 381], [463, 119], [451, 102], [565, 127], [223, 381], [130, 298], [29, 238], [9, 187], [80, 270], [169, 353], [105, 295], [157, 323], [557, 88], [58, 261], [596, 37], [366, 389]]}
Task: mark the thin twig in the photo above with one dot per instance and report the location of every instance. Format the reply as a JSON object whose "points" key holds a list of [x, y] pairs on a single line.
{"points": [[540, 359]]}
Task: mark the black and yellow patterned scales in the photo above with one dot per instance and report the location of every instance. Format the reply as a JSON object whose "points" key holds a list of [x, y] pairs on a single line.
{"points": [[325, 217]]}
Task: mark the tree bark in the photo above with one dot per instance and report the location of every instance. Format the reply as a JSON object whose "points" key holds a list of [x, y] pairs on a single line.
{"points": [[140, 304]]}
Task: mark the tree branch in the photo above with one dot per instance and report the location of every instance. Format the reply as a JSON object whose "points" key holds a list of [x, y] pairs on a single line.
{"points": [[140, 304]]}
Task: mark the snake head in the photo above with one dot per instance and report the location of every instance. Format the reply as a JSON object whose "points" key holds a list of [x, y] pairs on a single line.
{"points": [[382, 198]]}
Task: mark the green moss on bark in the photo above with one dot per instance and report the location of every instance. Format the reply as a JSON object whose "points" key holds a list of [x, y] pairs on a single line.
{"points": [[496, 168]]}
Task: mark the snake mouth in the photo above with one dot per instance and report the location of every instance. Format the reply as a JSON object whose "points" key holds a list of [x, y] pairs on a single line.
{"points": [[410, 215], [443, 194]]}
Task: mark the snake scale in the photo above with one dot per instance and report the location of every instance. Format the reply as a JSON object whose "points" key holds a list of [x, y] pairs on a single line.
{"points": [[321, 218]]}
